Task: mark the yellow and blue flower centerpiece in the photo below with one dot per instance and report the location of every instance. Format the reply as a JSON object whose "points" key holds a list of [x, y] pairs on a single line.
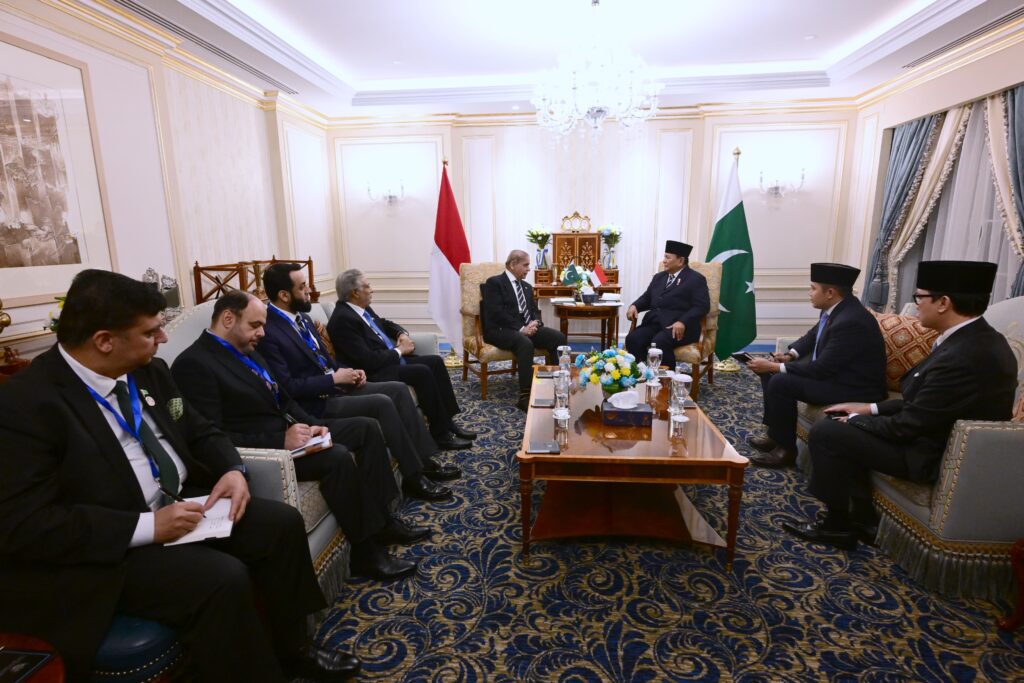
{"points": [[613, 369]]}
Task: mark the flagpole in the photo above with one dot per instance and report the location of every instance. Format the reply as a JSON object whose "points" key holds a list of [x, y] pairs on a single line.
{"points": [[730, 364]]}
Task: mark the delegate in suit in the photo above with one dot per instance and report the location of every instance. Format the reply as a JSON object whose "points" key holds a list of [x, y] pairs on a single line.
{"points": [[230, 384], [971, 374], [309, 374], [842, 358], [511, 320], [92, 434], [676, 301], [386, 352]]}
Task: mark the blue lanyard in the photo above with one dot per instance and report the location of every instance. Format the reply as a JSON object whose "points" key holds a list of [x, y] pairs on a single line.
{"points": [[306, 336], [135, 427], [252, 365]]}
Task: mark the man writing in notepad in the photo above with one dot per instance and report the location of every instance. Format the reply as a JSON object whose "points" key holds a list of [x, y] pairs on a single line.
{"points": [[95, 444]]}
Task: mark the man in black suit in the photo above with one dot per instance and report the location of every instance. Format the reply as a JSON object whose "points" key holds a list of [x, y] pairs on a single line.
{"points": [[229, 383], [308, 373], [511, 321], [842, 358], [676, 301], [971, 374], [386, 352], [96, 445]]}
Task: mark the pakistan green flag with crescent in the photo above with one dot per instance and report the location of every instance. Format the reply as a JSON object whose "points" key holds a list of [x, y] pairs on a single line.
{"points": [[730, 246]]}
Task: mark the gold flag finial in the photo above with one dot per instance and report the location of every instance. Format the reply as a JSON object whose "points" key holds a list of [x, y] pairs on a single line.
{"points": [[736, 153], [444, 161]]}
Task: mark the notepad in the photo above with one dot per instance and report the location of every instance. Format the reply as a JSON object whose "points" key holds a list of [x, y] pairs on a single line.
{"points": [[214, 525], [314, 445]]}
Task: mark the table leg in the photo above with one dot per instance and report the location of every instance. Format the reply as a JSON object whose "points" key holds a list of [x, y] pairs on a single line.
{"points": [[735, 494], [1012, 621], [526, 498], [564, 325], [604, 334]]}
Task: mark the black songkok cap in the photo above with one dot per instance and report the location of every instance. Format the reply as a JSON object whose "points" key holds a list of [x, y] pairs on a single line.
{"points": [[834, 274], [677, 248], [956, 277]]}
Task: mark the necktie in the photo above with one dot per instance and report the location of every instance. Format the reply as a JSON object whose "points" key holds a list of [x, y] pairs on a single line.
{"points": [[521, 299], [821, 326], [310, 339], [670, 281], [168, 471], [380, 333]]}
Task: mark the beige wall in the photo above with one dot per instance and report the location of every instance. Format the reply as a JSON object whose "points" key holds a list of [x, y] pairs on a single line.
{"points": [[199, 166]]}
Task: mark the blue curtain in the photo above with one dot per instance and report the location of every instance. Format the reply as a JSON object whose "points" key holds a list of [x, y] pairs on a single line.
{"points": [[1015, 143], [909, 145]]}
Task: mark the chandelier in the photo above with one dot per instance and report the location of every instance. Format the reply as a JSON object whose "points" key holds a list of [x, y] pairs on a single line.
{"points": [[597, 81]]}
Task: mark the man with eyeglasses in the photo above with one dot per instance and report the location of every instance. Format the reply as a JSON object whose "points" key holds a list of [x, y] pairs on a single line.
{"points": [[971, 374], [841, 358]]}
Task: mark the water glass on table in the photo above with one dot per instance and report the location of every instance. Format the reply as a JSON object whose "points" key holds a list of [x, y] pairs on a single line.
{"points": [[654, 362], [561, 383], [680, 391], [564, 357]]}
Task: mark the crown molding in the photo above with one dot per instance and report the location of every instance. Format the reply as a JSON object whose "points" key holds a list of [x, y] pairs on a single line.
{"points": [[684, 85], [914, 27], [229, 18]]}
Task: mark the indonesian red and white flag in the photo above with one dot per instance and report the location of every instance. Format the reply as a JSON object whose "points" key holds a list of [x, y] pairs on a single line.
{"points": [[450, 251]]}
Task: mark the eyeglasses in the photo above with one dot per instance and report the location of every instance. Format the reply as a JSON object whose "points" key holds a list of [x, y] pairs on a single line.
{"points": [[918, 297]]}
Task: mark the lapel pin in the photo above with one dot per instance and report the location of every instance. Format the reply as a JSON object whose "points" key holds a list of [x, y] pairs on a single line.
{"points": [[150, 401]]}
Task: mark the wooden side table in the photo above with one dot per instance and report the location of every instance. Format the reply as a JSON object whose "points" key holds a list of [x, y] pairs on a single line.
{"points": [[608, 315]]}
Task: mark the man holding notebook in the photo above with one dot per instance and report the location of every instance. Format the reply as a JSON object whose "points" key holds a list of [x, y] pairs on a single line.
{"points": [[96, 448]]}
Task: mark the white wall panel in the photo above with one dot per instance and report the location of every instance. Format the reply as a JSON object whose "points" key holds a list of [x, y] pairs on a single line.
{"points": [[478, 182], [308, 187]]}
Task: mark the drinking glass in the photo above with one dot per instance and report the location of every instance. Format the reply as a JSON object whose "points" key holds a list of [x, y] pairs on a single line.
{"points": [[561, 382], [564, 357], [683, 368], [680, 391], [676, 426], [654, 362]]}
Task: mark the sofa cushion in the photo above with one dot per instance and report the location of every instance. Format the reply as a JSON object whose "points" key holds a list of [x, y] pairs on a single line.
{"points": [[311, 504], [907, 343], [911, 497]]}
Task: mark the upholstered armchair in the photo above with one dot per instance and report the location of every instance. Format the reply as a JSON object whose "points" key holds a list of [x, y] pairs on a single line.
{"points": [[701, 354], [953, 536], [474, 349]]}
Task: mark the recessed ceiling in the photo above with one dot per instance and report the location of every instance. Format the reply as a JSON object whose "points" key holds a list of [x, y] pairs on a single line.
{"points": [[344, 54]]}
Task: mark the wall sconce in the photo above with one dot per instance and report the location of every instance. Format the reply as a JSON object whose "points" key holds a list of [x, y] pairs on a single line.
{"points": [[779, 190], [388, 197]]}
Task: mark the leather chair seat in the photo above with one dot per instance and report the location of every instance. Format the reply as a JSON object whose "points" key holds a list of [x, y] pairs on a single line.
{"points": [[137, 649]]}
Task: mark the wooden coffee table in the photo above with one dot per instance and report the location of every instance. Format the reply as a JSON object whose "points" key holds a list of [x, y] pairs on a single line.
{"points": [[624, 481]]}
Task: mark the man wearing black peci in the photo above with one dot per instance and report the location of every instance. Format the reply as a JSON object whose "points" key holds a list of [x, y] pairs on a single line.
{"points": [[842, 358], [228, 382], [971, 374], [511, 321], [298, 360], [676, 301], [92, 434]]}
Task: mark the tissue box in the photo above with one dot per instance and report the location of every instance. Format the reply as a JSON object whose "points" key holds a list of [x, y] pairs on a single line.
{"points": [[640, 415]]}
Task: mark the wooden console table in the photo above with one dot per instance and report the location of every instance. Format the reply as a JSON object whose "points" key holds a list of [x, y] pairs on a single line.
{"points": [[608, 315]]}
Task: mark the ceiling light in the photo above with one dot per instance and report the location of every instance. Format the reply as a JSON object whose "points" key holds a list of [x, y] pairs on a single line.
{"points": [[810, 36], [515, 107], [599, 79]]}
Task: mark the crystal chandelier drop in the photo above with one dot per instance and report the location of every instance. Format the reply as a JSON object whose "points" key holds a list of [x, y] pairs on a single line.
{"points": [[599, 80]]}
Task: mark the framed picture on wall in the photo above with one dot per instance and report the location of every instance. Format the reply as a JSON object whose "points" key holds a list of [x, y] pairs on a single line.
{"points": [[53, 217]]}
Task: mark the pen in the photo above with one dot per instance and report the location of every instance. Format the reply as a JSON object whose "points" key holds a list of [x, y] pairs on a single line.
{"points": [[176, 497]]}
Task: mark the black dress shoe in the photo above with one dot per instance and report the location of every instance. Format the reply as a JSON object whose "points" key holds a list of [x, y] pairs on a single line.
{"points": [[523, 403], [778, 457], [462, 432], [400, 531], [373, 561], [761, 443], [438, 472], [418, 486], [450, 442], [318, 664], [866, 531], [817, 532]]}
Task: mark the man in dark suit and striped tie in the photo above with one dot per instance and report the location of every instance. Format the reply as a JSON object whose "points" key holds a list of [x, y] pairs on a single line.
{"points": [[511, 320]]}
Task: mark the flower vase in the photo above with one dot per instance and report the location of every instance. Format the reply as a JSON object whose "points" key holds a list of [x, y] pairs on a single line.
{"points": [[542, 259], [609, 257]]}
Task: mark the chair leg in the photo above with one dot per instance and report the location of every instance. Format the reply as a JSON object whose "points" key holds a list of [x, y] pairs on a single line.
{"points": [[465, 365], [711, 369], [695, 388], [483, 381], [1011, 622]]}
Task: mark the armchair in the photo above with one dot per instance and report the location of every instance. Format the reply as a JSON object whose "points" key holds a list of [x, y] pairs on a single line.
{"points": [[701, 354], [471, 278]]}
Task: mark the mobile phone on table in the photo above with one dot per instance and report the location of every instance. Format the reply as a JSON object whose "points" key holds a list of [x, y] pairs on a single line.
{"points": [[543, 403], [545, 374]]}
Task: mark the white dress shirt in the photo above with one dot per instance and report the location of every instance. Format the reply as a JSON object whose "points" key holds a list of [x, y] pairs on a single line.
{"points": [[137, 458]]}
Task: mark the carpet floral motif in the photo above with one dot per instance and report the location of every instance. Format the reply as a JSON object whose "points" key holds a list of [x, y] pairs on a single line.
{"points": [[633, 610]]}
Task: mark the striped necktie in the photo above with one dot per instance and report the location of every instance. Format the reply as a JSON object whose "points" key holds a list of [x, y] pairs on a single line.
{"points": [[671, 280], [521, 299]]}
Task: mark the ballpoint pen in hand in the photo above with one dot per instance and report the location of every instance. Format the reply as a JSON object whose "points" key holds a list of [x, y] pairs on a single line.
{"points": [[176, 497]]}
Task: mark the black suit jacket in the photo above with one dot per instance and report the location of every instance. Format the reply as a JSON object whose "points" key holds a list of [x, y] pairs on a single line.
{"points": [[971, 376], [501, 308], [360, 346], [686, 301], [70, 502], [851, 351], [294, 365], [231, 395]]}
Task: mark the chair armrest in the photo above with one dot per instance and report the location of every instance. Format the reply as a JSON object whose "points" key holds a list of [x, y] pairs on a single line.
{"points": [[977, 496], [426, 343], [479, 332], [271, 474]]}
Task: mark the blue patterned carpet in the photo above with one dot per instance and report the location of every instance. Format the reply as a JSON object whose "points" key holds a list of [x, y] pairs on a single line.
{"points": [[647, 611]]}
